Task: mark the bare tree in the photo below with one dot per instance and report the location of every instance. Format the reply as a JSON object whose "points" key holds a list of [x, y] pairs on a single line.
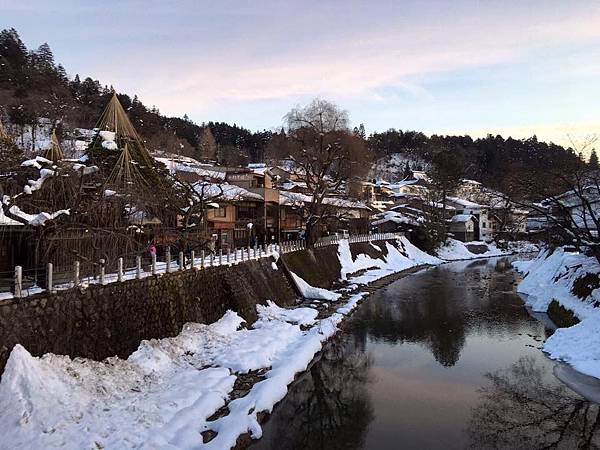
{"points": [[574, 213], [326, 154], [194, 201]]}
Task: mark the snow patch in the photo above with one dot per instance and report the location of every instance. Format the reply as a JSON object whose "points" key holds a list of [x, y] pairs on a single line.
{"points": [[312, 292]]}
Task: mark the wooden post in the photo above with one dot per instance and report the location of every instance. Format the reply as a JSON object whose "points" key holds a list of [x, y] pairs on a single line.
{"points": [[153, 263], [76, 273], [138, 267], [181, 261], [120, 270], [192, 257], [168, 259], [18, 282], [102, 269]]}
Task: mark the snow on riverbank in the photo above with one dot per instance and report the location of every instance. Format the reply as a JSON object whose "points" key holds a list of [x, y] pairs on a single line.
{"points": [[570, 278], [164, 393], [312, 292], [396, 260], [454, 250]]}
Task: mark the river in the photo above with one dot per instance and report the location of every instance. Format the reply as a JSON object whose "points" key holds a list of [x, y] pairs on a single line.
{"points": [[445, 358]]}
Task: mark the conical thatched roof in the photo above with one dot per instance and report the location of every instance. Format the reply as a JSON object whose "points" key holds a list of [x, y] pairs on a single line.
{"points": [[54, 153]]}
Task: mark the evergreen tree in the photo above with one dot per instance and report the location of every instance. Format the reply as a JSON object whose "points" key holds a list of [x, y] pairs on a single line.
{"points": [[208, 145], [10, 154], [407, 174], [593, 161]]}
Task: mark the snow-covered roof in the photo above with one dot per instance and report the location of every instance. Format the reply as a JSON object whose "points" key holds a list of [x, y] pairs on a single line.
{"points": [[258, 168], [465, 203], [183, 164], [288, 185], [396, 217], [287, 198], [462, 218], [226, 192], [472, 182], [6, 220]]}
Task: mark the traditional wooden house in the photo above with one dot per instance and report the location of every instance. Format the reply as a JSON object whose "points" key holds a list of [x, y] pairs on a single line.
{"points": [[265, 218], [462, 227], [482, 226]]}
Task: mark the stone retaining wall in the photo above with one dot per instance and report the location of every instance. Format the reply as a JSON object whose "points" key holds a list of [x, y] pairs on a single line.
{"points": [[107, 320]]}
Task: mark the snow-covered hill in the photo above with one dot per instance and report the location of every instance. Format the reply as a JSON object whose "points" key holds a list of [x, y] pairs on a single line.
{"points": [[391, 167]]}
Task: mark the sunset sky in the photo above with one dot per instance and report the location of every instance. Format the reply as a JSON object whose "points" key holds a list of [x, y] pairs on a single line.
{"points": [[514, 68]]}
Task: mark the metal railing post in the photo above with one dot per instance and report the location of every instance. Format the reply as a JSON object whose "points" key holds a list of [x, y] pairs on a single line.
{"points": [[168, 259], [153, 263], [138, 267], [181, 261]]}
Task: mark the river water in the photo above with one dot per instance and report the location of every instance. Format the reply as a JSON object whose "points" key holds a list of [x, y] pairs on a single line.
{"points": [[445, 358]]}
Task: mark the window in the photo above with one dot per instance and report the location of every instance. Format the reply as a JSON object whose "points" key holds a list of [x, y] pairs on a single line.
{"points": [[245, 212], [221, 212]]}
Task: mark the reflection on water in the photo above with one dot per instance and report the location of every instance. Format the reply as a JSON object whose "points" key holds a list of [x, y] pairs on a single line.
{"points": [[447, 358], [521, 410], [328, 407]]}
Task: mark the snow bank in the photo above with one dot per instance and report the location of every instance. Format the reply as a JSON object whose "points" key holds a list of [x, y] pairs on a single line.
{"points": [[308, 291], [551, 276], [164, 393], [396, 260], [454, 250], [578, 345], [265, 394]]}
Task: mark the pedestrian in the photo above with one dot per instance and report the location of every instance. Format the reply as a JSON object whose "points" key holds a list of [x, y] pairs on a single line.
{"points": [[151, 250]]}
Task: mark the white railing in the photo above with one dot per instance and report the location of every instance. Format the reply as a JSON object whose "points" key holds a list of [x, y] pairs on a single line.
{"points": [[176, 263], [336, 238]]}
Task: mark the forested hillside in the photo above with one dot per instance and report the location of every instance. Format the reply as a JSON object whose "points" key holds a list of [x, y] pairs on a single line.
{"points": [[34, 86], [497, 162]]}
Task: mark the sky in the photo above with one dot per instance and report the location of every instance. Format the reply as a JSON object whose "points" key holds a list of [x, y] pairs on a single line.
{"points": [[515, 68]]}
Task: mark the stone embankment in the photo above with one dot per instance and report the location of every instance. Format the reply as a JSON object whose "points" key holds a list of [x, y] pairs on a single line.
{"points": [[98, 321]]}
